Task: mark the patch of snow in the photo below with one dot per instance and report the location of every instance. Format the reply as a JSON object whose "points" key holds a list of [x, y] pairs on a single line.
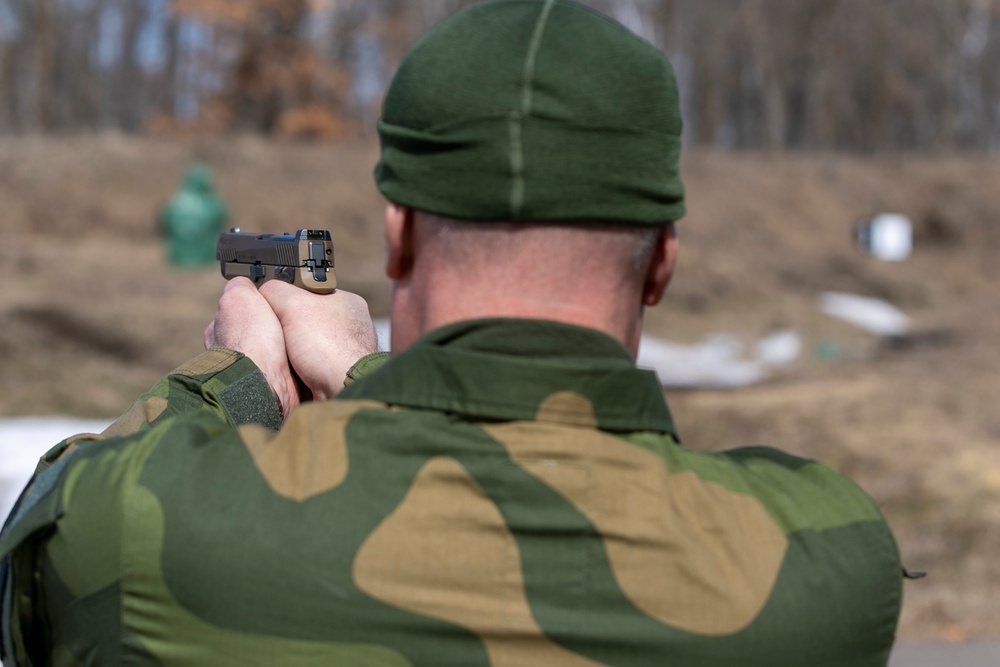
{"points": [[875, 315], [23, 440]]}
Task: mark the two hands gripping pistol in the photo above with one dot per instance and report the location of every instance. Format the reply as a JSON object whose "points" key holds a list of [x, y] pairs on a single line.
{"points": [[304, 259]]}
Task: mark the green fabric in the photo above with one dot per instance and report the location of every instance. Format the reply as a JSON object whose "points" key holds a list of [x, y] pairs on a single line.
{"points": [[365, 366], [222, 381], [511, 365], [245, 401], [180, 545], [527, 110], [193, 219]]}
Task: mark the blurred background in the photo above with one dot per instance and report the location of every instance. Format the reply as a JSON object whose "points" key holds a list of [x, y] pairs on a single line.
{"points": [[754, 74], [802, 120]]}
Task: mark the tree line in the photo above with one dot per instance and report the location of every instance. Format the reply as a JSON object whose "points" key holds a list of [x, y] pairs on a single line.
{"points": [[843, 75]]}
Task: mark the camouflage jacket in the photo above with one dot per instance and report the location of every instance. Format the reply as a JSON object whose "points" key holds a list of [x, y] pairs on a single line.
{"points": [[506, 492]]}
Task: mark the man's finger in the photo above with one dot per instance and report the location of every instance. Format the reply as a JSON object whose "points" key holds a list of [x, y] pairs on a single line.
{"points": [[282, 296]]}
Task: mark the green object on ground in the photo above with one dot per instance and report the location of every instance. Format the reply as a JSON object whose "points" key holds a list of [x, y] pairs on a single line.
{"points": [[193, 219]]}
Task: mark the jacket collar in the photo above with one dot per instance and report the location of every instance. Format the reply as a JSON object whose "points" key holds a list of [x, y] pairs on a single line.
{"points": [[505, 369]]}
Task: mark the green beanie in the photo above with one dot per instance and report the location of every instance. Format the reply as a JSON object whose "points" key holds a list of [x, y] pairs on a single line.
{"points": [[533, 110]]}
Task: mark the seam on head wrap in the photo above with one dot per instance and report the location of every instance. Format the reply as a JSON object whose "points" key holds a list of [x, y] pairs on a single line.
{"points": [[516, 166], [516, 135], [529, 61]]}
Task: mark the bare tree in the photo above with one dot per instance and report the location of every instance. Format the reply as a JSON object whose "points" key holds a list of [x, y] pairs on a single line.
{"points": [[45, 62], [128, 85], [13, 47], [761, 74], [971, 37], [77, 67], [278, 82]]}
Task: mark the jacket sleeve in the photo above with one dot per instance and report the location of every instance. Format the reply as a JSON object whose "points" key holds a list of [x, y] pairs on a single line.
{"points": [[220, 381], [365, 366]]}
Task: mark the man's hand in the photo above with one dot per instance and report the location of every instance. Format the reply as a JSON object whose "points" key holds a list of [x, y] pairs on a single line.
{"points": [[245, 322], [324, 334]]}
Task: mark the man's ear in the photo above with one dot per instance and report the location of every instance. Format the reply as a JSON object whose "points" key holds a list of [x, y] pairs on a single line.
{"points": [[398, 241], [661, 268]]}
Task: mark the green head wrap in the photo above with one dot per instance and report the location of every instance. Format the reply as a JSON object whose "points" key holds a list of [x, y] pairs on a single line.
{"points": [[533, 110]]}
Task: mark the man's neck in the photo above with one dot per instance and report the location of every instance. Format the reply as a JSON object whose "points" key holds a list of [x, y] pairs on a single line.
{"points": [[416, 314]]}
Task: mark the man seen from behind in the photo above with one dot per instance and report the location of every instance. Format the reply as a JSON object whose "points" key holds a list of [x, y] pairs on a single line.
{"points": [[507, 488]]}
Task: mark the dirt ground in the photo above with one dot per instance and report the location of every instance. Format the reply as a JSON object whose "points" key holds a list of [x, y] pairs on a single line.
{"points": [[92, 314]]}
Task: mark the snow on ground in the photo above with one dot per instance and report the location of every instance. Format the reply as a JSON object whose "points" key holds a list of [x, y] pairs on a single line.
{"points": [[24, 439]]}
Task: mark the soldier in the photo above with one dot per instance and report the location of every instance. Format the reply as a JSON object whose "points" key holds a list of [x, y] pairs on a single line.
{"points": [[193, 219], [507, 488]]}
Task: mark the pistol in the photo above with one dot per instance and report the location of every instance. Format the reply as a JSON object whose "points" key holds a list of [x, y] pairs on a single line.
{"points": [[304, 259]]}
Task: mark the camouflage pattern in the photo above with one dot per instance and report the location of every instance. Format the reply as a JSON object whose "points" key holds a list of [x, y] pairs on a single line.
{"points": [[506, 492]]}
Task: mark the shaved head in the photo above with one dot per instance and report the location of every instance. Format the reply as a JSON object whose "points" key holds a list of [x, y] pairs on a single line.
{"points": [[621, 251]]}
